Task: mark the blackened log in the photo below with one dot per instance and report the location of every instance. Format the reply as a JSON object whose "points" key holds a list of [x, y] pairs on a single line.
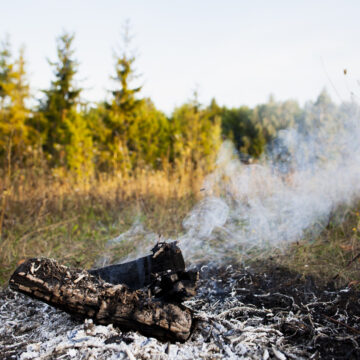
{"points": [[82, 294], [163, 272], [165, 257]]}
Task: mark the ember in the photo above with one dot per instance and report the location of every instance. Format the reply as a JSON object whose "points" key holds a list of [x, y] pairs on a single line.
{"points": [[241, 314]]}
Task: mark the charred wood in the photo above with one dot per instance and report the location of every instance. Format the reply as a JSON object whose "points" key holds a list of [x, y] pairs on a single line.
{"points": [[82, 294], [139, 273], [163, 272]]}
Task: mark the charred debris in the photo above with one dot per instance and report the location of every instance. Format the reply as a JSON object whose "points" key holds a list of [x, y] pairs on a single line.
{"points": [[144, 294]]}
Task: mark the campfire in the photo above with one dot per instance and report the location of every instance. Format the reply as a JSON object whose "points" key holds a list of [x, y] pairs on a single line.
{"points": [[150, 308]]}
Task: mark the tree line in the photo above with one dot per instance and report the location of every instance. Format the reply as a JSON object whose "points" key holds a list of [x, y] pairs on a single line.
{"points": [[127, 132]]}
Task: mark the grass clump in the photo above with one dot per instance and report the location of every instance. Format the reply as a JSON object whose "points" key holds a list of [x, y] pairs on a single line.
{"points": [[333, 255]]}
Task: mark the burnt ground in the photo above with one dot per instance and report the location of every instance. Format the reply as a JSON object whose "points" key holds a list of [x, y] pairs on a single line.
{"points": [[321, 320], [241, 313]]}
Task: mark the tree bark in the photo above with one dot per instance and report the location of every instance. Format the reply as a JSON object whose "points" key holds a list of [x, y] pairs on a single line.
{"points": [[82, 294]]}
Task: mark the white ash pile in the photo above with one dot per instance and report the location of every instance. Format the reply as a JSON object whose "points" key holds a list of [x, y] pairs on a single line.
{"points": [[240, 316]]}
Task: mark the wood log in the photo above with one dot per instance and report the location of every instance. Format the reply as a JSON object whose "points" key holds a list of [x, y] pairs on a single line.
{"points": [[163, 272], [138, 273], [82, 294]]}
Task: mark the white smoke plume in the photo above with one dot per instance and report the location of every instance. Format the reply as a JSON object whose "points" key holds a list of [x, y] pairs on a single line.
{"points": [[311, 170]]}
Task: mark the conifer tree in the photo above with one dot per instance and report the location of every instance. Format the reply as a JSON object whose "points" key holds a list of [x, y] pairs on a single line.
{"points": [[6, 72], [60, 99], [320, 115], [150, 136], [123, 110], [238, 125], [196, 136], [66, 136], [19, 112], [14, 91], [6, 87], [275, 116]]}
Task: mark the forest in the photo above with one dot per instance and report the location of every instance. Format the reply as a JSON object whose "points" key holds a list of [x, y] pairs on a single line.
{"points": [[71, 136]]}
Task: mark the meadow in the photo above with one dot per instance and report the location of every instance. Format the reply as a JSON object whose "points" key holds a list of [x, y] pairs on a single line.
{"points": [[72, 222]]}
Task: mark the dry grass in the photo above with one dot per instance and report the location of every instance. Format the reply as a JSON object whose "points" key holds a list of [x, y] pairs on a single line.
{"points": [[334, 255], [72, 222]]}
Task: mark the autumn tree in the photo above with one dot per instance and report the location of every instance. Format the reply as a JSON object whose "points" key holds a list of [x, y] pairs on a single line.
{"points": [[14, 91]]}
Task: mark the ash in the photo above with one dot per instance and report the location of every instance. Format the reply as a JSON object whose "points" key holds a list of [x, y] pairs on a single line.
{"points": [[241, 314]]}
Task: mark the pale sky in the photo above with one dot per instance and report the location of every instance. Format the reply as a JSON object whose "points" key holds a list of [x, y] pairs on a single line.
{"points": [[239, 52]]}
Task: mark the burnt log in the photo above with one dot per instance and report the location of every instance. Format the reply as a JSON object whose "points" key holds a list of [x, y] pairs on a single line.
{"points": [[163, 272], [86, 295], [140, 272]]}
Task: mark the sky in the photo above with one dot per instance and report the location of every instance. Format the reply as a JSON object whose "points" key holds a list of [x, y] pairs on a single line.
{"points": [[238, 52]]}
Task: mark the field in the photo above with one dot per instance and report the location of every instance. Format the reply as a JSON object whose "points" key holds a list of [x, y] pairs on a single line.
{"points": [[72, 222]]}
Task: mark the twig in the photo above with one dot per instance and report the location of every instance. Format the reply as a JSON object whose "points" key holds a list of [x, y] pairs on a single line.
{"points": [[356, 331], [347, 265]]}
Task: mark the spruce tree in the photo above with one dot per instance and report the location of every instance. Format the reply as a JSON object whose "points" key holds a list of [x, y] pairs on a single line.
{"points": [[67, 139], [60, 99], [123, 110]]}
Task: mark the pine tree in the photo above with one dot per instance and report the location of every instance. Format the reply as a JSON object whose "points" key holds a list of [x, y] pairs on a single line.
{"points": [[19, 113], [275, 116], [79, 148], [6, 71], [319, 115]]}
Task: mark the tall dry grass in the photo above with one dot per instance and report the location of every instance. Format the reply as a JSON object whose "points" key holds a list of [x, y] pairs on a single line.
{"points": [[45, 214], [55, 216]]}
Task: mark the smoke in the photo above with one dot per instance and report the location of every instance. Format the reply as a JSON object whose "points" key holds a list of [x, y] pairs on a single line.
{"points": [[137, 239], [309, 171]]}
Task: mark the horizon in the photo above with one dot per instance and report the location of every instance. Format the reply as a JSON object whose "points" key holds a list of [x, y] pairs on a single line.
{"points": [[237, 53]]}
